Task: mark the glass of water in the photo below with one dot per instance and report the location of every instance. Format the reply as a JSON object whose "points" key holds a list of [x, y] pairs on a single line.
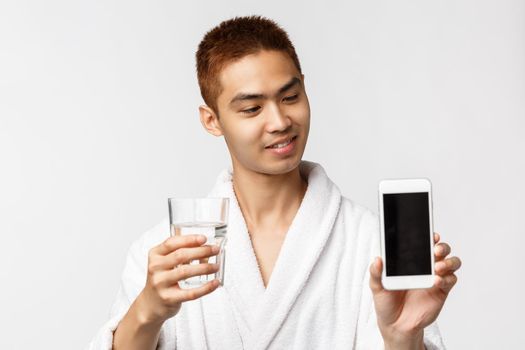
{"points": [[205, 216]]}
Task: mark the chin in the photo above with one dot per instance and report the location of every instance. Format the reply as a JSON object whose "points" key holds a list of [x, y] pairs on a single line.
{"points": [[283, 166], [263, 163]]}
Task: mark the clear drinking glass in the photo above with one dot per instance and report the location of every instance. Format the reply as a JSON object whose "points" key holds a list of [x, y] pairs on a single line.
{"points": [[205, 216]]}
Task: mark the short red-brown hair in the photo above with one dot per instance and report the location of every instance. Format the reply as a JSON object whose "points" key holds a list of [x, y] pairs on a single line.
{"points": [[231, 40]]}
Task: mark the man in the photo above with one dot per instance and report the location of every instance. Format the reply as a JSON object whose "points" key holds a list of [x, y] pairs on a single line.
{"points": [[299, 272]]}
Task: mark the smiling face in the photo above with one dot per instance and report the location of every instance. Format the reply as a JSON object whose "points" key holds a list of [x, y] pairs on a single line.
{"points": [[264, 113]]}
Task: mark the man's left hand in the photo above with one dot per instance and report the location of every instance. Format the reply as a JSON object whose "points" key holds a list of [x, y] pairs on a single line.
{"points": [[403, 314]]}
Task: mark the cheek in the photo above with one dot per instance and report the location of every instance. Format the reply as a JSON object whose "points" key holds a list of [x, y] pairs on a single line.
{"points": [[245, 135], [301, 112]]}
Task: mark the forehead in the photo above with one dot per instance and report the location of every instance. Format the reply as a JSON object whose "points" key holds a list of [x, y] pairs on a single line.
{"points": [[263, 72]]}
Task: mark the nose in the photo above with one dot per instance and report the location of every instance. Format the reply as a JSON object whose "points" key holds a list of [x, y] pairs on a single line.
{"points": [[277, 120]]}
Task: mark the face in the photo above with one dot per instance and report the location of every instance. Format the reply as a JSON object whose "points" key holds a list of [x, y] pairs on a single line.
{"points": [[264, 114]]}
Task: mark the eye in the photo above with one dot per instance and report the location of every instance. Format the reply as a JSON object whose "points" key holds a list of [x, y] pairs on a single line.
{"points": [[250, 110], [291, 98]]}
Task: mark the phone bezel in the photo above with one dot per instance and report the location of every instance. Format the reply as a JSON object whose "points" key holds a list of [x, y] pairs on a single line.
{"points": [[407, 185]]}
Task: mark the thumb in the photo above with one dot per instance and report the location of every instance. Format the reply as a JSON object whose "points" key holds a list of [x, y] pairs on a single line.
{"points": [[376, 269]]}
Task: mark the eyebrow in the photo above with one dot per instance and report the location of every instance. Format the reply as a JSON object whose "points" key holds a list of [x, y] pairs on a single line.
{"points": [[247, 96]]}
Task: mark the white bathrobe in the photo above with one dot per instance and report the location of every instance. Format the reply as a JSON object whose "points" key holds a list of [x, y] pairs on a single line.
{"points": [[318, 295]]}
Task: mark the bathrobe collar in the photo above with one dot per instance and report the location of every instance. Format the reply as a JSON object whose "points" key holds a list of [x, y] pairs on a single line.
{"points": [[262, 311]]}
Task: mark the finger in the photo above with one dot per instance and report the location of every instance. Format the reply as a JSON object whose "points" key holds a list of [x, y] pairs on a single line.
{"points": [[445, 283], [436, 237], [169, 278], [446, 266], [195, 293], [376, 268], [185, 255], [441, 250], [176, 242]]}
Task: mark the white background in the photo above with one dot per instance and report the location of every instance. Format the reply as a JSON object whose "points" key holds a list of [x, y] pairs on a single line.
{"points": [[99, 126]]}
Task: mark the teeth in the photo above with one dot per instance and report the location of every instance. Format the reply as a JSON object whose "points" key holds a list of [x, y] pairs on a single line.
{"points": [[280, 145]]}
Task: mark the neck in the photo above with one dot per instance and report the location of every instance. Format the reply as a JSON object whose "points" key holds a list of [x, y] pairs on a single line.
{"points": [[268, 199]]}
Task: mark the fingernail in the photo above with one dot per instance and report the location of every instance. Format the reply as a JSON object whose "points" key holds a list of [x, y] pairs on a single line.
{"points": [[215, 249], [201, 239]]}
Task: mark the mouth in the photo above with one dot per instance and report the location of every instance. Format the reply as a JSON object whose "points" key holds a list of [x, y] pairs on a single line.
{"points": [[282, 144], [283, 148]]}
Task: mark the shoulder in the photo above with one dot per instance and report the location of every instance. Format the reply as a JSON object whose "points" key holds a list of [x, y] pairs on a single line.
{"points": [[361, 225], [155, 235], [135, 268], [359, 214]]}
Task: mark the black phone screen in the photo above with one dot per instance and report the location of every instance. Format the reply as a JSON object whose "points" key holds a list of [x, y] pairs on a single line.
{"points": [[407, 234]]}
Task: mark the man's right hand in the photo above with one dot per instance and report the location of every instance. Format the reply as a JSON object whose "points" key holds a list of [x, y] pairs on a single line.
{"points": [[162, 297], [168, 263]]}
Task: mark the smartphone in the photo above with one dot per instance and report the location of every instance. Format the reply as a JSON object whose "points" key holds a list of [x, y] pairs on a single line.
{"points": [[407, 243]]}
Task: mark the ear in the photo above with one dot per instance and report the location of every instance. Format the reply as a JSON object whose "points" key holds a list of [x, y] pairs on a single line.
{"points": [[210, 120]]}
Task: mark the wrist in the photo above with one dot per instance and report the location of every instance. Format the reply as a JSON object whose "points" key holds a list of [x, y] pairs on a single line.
{"points": [[408, 342], [144, 317], [136, 330]]}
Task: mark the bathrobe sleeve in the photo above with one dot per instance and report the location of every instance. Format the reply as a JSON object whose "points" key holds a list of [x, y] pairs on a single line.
{"points": [[369, 336], [132, 282]]}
